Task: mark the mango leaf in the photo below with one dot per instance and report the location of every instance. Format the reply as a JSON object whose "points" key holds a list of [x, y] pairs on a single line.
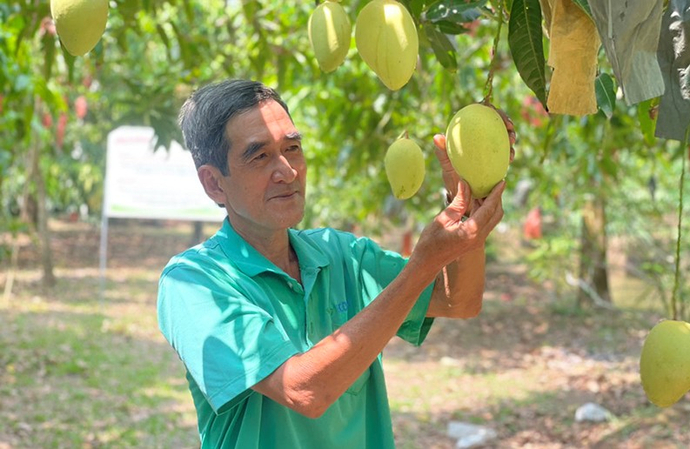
{"points": [[415, 7], [455, 11], [605, 93], [525, 40], [443, 48], [446, 27], [647, 123]]}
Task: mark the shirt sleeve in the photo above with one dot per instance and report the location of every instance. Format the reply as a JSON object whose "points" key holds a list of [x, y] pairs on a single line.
{"points": [[225, 340], [377, 268]]}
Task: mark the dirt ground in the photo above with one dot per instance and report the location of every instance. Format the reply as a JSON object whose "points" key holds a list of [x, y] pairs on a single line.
{"points": [[522, 367]]}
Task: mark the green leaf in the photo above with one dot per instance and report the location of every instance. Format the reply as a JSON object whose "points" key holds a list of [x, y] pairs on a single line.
{"points": [[447, 27], [415, 7], [606, 94], [647, 123], [443, 48], [525, 40], [455, 11]]}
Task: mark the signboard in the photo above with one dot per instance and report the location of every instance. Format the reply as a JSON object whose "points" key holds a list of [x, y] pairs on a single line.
{"points": [[162, 184]]}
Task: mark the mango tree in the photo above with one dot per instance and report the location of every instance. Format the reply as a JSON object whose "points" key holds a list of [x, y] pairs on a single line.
{"points": [[154, 52]]}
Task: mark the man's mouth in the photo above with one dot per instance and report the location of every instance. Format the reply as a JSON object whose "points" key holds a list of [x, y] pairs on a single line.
{"points": [[285, 195]]}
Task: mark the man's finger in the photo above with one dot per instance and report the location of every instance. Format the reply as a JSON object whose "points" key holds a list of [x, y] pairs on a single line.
{"points": [[461, 201], [485, 215], [440, 142]]}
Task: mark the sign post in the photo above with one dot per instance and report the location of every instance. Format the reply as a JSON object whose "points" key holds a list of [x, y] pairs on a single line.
{"points": [[148, 183]]}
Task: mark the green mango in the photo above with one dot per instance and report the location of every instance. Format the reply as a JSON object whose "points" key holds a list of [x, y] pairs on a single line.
{"points": [[330, 33], [405, 168], [478, 146], [79, 23], [386, 39], [665, 362]]}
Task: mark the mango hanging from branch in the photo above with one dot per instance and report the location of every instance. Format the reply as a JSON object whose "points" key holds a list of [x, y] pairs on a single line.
{"points": [[79, 23], [478, 146], [387, 41], [330, 33], [405, 169]]}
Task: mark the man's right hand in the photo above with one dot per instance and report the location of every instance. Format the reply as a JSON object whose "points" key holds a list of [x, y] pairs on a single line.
{"points": [[449, 236]]}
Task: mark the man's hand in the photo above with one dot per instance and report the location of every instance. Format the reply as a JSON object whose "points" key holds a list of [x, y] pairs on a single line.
{"points": [[450, 235]]}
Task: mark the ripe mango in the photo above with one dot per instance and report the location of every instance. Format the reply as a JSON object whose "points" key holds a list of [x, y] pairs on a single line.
{"points": [[79, 23], [330, 33], [386, 38], [405, 169], [665, 362], [478, 146]]}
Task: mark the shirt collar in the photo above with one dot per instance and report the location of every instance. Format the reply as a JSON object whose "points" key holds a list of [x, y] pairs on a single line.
{"points": [[251, 262]]}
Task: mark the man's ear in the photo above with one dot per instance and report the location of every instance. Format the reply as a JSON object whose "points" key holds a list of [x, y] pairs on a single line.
{"points": [[210, 178]]}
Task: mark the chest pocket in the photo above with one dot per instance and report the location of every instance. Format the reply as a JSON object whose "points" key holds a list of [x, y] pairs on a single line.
{"points": [[359, 384]]}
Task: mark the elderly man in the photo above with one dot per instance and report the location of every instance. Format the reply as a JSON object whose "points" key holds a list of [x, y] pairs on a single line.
{"points": [[281, 330]]}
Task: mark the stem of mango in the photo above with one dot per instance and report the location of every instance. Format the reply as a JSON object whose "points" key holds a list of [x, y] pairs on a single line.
{"points": [[676, 281], [489, 86]]}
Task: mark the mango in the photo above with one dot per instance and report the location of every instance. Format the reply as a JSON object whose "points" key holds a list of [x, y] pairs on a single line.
{"points": [[79, 23], [387, 41], [478, 146], [665, 362], [330, 33], [405, 168]]}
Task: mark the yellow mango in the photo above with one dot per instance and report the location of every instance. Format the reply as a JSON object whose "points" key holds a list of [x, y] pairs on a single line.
{"points": [[665, 362], [79, 23], [387, 41], [405, 169], [330, 33], [478, 147]]}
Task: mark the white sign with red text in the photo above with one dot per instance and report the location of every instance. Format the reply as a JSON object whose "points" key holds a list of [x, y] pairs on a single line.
{"points": [[161, 184]]}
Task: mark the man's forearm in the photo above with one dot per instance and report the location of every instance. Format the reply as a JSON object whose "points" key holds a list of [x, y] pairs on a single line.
{"points": [[310, 382], [459, 287]]}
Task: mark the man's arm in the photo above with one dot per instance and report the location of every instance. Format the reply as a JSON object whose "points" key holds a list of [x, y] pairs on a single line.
{"points": [[459, 287], [310, 382]]}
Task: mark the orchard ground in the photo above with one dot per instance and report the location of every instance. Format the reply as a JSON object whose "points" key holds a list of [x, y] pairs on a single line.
{"points": [[83, 364]]}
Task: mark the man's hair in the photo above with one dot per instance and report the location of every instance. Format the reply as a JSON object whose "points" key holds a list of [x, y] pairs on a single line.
{"points": [[207, 111]]}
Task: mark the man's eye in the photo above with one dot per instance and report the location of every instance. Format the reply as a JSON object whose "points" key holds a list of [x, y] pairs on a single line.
{"points": [[258, 157], [294, 148]]}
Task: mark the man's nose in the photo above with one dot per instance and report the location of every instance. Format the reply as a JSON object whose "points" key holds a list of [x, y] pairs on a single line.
{"points": [[284, 171]]}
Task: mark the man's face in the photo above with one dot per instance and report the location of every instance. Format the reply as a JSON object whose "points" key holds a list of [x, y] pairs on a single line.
{"points": [[265, 188]]}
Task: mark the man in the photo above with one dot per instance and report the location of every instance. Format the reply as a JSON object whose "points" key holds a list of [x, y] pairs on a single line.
{"points": [[281, 330]]}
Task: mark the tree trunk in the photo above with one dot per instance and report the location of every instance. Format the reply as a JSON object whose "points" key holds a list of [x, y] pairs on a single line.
{"points": [[43, 229], [198, 234], [594, 284], [36, 174]]}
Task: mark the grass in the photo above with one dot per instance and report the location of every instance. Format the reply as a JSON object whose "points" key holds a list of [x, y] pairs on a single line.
{"points": [[81, 370]]}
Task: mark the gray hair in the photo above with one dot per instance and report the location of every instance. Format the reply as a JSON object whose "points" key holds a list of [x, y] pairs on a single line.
{"points": [[207, 111]]}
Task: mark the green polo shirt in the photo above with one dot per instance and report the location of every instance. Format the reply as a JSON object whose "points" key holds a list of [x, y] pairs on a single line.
{"points": [[234, 317]]}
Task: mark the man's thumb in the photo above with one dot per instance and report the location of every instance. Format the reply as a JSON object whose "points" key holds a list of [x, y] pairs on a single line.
{"points": [[462, 200]]}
